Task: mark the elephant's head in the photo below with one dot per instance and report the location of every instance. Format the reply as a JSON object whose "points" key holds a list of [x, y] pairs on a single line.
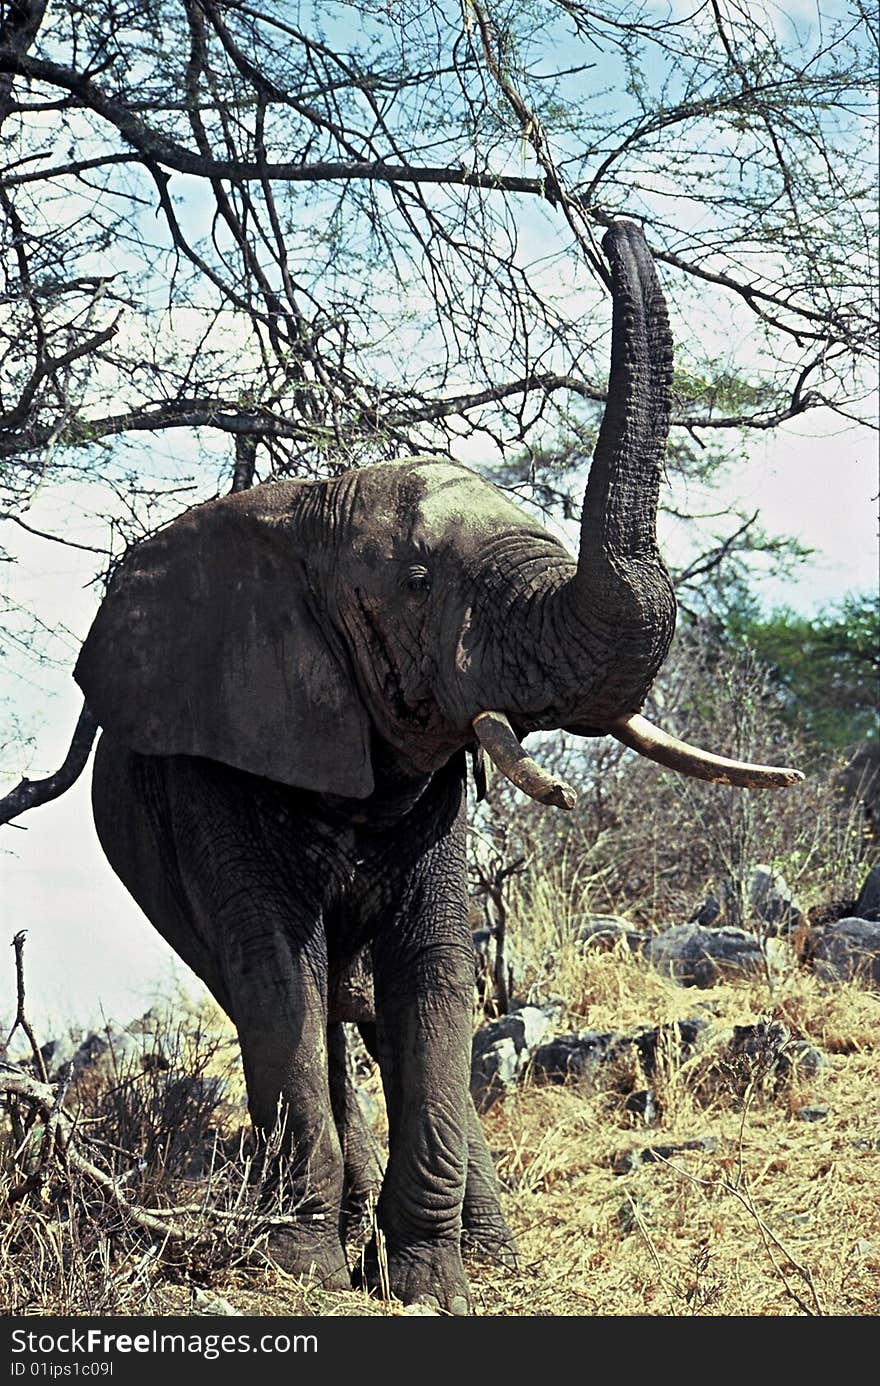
{"points": [[294, 629]]}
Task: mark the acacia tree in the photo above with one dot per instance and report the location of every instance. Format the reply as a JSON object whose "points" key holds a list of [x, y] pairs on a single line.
{"points": [[311, 234]]}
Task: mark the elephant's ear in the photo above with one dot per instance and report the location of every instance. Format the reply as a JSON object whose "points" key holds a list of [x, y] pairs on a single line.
{"points": [[210, 643]]}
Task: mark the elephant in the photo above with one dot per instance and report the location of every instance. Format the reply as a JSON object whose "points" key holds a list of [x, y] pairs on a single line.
{"points": [[288, 682]]}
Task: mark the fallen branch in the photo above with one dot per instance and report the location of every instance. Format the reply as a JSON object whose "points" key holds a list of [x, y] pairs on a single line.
{"points": [[61, 1142], [14, 1082]]}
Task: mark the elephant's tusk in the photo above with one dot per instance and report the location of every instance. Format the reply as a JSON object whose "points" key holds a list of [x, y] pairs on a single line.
{"points": [[641, 735], [500, 743]]}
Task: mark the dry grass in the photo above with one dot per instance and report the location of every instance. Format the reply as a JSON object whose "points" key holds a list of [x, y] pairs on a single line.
{"points": [[781, 1216]]}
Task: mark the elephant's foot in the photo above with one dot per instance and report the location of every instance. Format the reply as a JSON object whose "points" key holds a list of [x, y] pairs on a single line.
{"points": [[301, 1252], [486, 1235], [428, 1273]]}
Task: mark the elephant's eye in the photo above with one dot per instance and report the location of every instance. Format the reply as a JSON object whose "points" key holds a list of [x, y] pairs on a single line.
{"points": [[418, 579]]}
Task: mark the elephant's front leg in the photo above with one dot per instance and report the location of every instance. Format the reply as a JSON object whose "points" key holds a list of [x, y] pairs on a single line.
{"points": [[278, 999], [423, 973]]}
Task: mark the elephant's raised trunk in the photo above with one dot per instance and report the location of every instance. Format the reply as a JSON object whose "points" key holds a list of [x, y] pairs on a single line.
{"points": [[619, 604], [619, 518]]}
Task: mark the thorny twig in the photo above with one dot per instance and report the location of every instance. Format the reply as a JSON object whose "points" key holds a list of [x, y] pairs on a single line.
{"points": [[743, 1195]]}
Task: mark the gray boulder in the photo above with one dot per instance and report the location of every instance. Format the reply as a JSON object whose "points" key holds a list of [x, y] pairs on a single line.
{"points": [[57, 1055], [584, 1053], [766, 1049], [642, 1104], [682, 1038], [700, 957], [773, 902], [628, 1161], [868, 903], [849, 950], [709, 912], [66, 1057], [206, 1304], [603, 931], [120, 1049], [501, 1052], [577, 1055]]}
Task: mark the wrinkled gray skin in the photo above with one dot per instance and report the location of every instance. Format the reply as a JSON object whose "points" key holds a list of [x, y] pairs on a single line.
{"points": [[286, 679]]}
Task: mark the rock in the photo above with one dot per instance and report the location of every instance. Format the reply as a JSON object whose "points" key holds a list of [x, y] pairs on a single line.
{"points": [[697, 956], [501, 1050], [493, 1071], [682, 1036], [642, 1104], [57, 1055], [764, 1039], [66, 1057], [576, 1055], [801, 1060], [706, 1145], [626, 1161], [537, 1022], [553, 1007], [868, 903], [603, 931], [123, 1051], [773, 902], [812, 1113], [205, 1303], [767, 1049], [849, 950], [634, 1214], [583, 1053], [707, 913]]}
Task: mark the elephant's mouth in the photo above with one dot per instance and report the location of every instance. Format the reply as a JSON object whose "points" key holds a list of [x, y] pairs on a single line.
{"points": [[503, 748]]}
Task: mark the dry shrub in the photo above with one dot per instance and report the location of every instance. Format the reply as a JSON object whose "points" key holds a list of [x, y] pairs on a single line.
{"points": [[158, 1115], [68, 1246], [650, 844]]}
